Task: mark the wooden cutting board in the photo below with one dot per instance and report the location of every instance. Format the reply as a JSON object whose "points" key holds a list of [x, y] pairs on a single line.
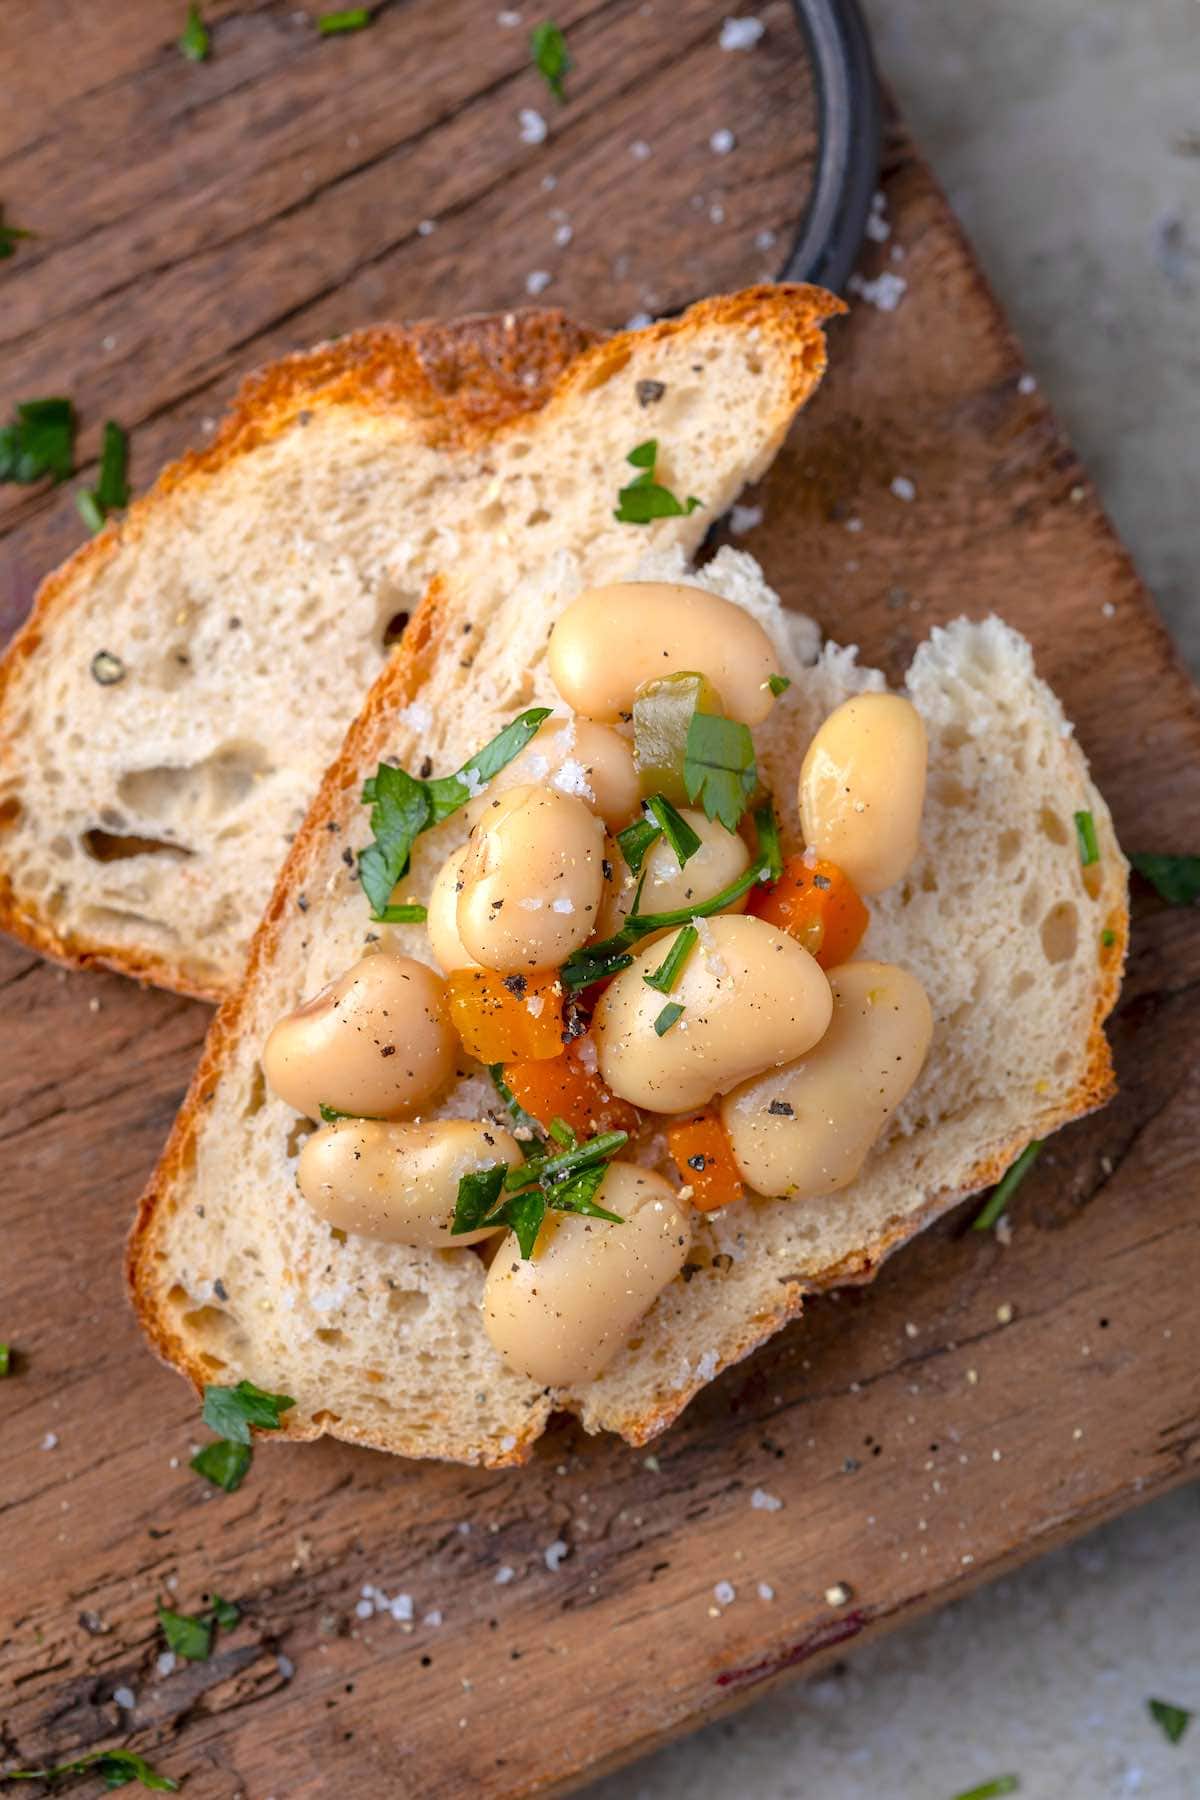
{"points": [[975, 1406]]}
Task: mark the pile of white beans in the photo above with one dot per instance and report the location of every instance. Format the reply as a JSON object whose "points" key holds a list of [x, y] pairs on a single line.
{"points": [[806, 1067]]}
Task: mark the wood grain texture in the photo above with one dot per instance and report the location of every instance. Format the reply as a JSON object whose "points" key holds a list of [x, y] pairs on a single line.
{"points": [[918, 1443]]}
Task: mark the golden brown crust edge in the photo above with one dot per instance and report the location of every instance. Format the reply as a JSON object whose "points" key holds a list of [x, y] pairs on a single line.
{"points": [[466, 381]]}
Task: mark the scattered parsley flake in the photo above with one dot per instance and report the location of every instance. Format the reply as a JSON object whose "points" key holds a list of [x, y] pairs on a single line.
{"points": [[10, 236], [353, 19], [991, 1790], [111, 491], [779, 684], [1175, 879], [550, 56], [1172, 1720], [671, 967], [39, 441], [5, 1361], [674, 827], [645, 499], [186, 1636], [671, 1013], [223, 1463], [116, 1768], [565, 1183], [195, 42], [1004, 1190], [635, 840], [1085, 832], [231, 1411], [596, 961], [403, 806]]}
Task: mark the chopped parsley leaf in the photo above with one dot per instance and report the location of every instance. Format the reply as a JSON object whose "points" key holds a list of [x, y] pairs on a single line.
{"points": [[1108, 937], [1085, 832], [674, 827], [186, 1636], [779, 684], [550, 56], [352, 19], [39, 441], [585, 967], [670, 1014], [116, 1768], [224, 1463], [644, 499], [10, 236], [767, 827], [1173, 1720], [635, 840], [111, 491], [1176, 879], [225, 1613], [1004, 1190], [524, 1121], [596, 961], [404, 805], [991, 1790], [5, 1361], [231, 1411], [195, 40], [566, 1183], [719, 769], [671, 967]]}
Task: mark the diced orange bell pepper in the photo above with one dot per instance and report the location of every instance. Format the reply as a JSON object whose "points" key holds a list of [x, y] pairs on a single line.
{"points": [[704, 1157], [814, 902], [504, 1017], [566, 1088]]}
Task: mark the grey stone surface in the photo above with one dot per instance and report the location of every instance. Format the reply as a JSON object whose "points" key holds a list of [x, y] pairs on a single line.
{"points": [[1067, 133]]}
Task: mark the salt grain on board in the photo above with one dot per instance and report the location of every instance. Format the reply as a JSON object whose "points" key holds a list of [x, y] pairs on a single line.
{"points": [[761, 1501], [533, 126], [724, 1593], [554, 1553], [903, 488], [125, 1697], [885, 291], [722, 142], [504, 1575], [744, 518], [741, 34], [639, 150], [537, 281]]}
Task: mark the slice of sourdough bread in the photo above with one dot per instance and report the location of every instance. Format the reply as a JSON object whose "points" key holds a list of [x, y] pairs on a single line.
{"points": [[241, 610], [232, 1274]]}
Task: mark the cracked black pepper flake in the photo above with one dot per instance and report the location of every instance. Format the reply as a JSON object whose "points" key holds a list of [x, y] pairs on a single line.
{"points": [[782, 1109], [822, 881], [649, 391], [516, 985]]}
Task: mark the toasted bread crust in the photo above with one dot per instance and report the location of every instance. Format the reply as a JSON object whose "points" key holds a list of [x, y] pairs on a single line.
{"points": [[467, 382]]}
